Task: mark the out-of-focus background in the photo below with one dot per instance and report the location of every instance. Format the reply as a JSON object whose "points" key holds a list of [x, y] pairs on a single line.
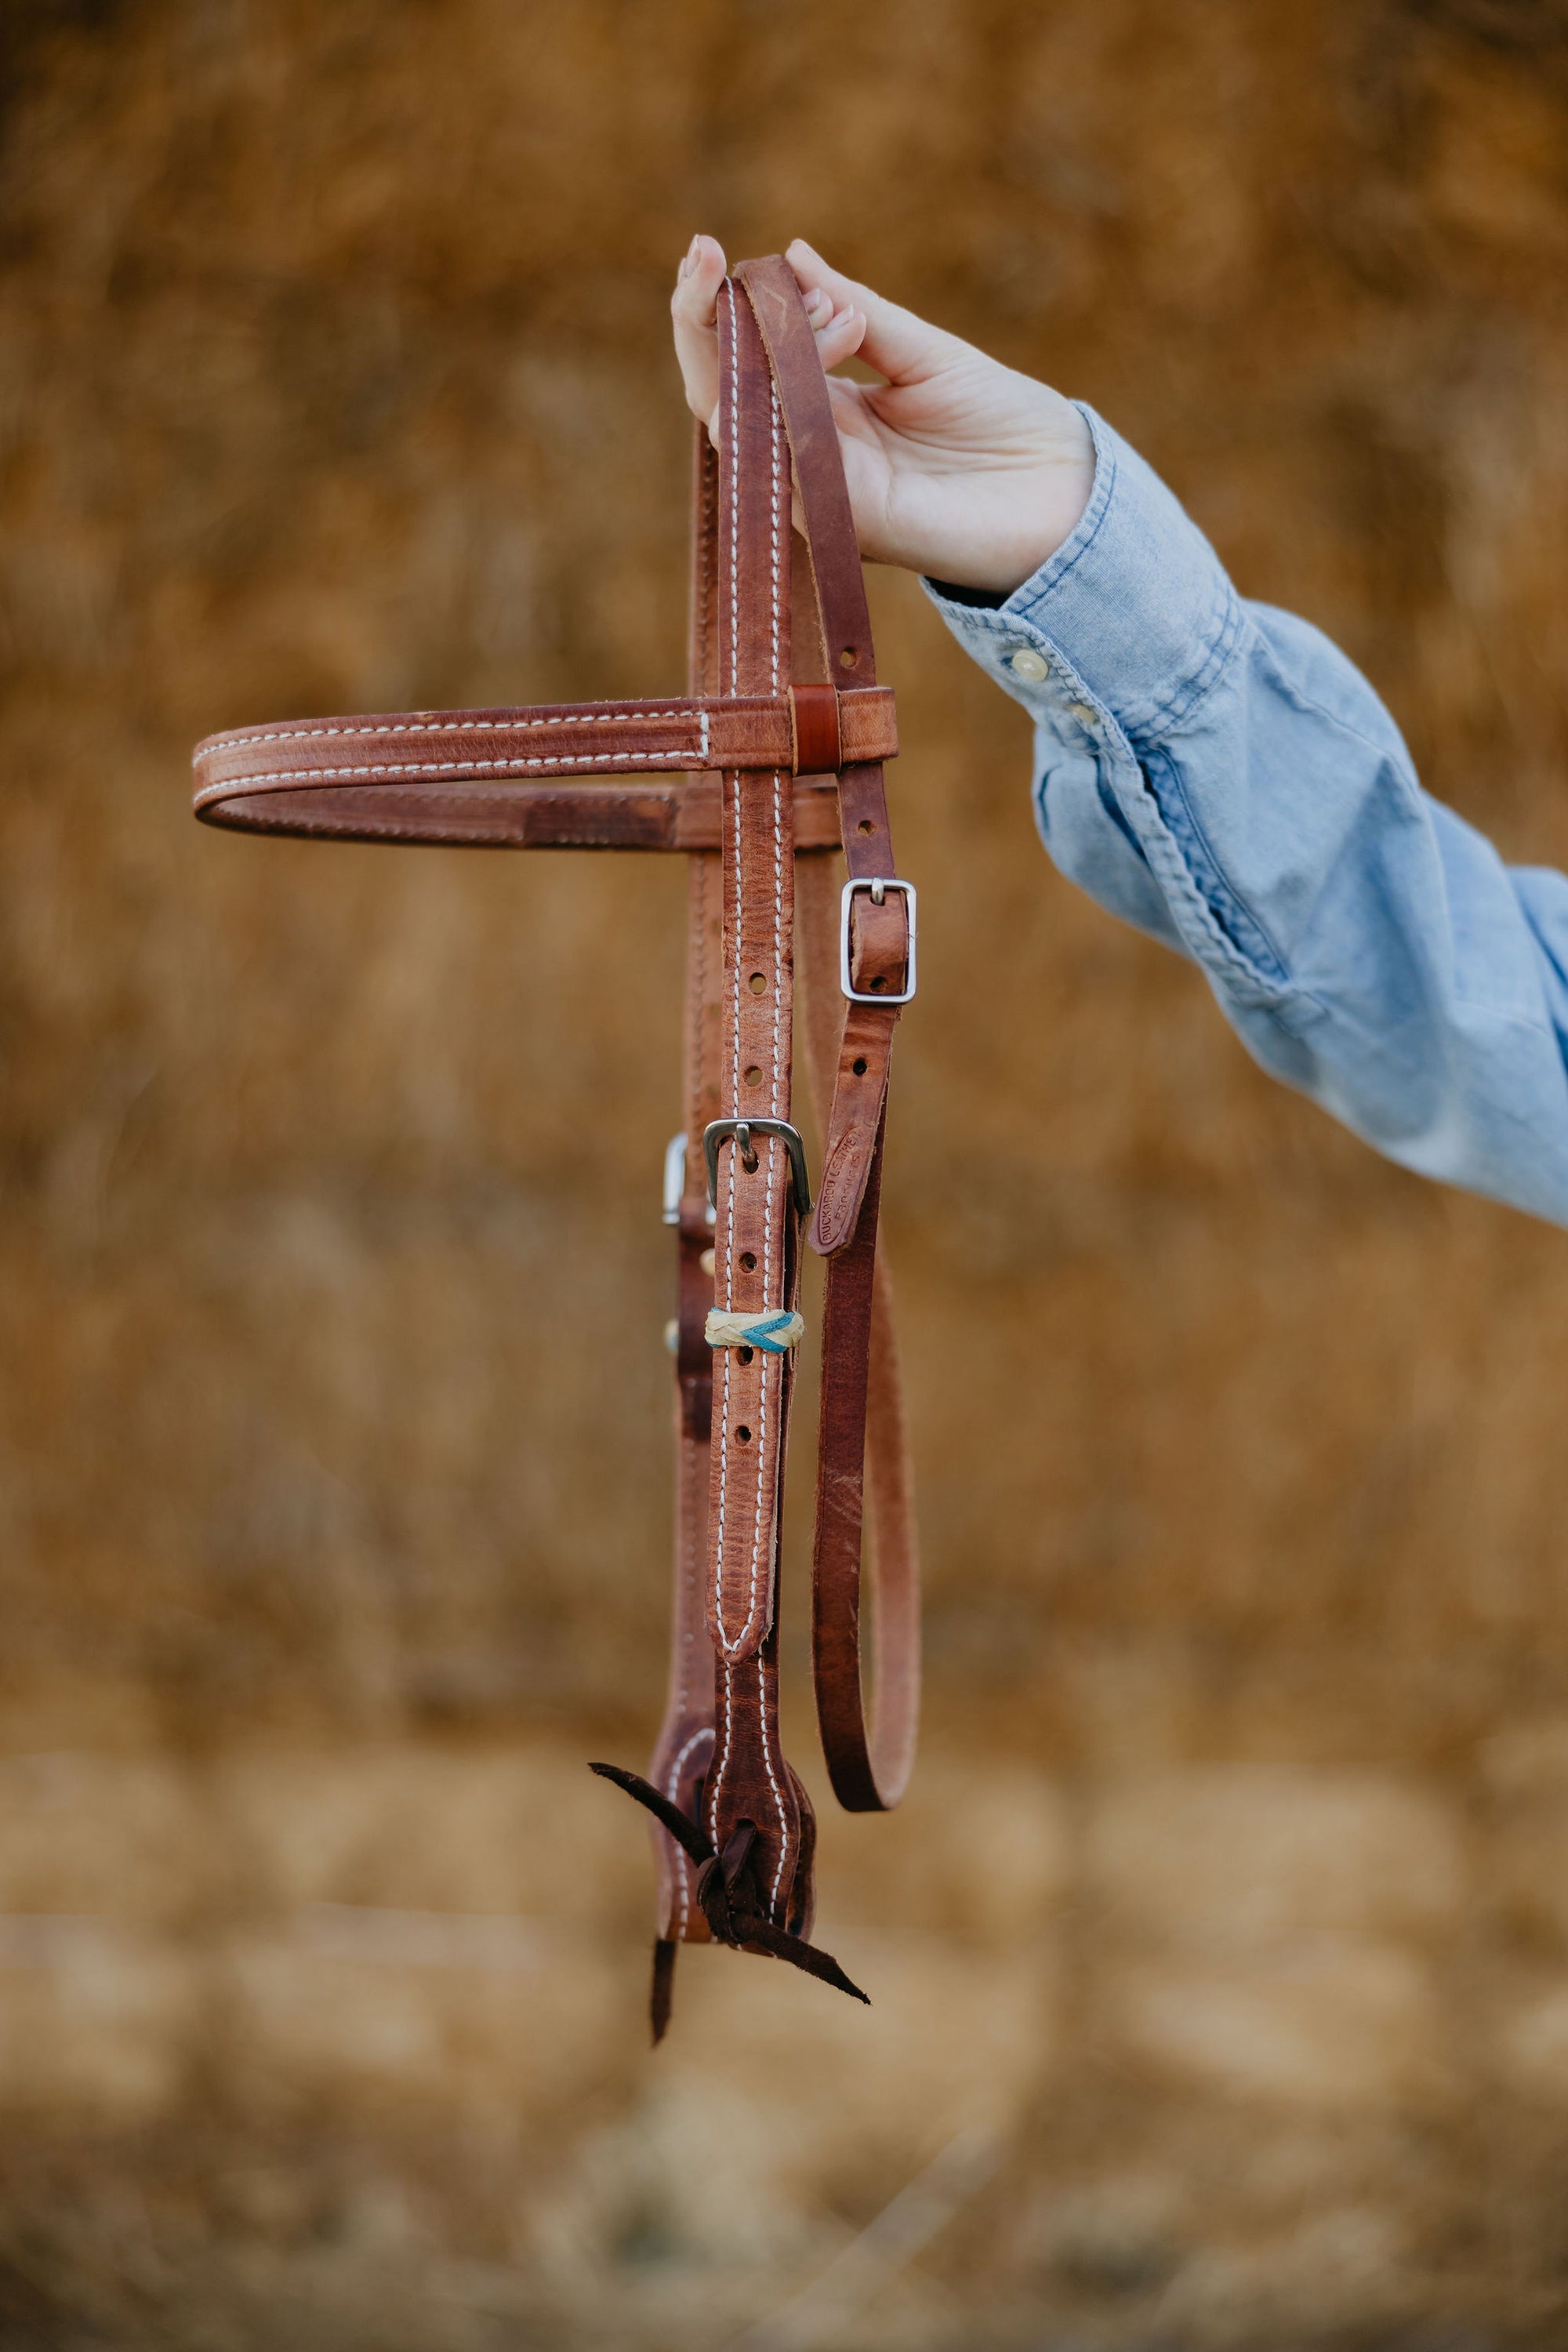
{"points": [[1220, 1957]]}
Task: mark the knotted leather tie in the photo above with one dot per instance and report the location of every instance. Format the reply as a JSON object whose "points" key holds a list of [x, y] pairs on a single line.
{"points": [[770, 761], [728, 1895]]}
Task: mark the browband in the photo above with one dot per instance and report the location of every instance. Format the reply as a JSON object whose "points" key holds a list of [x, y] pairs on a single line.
{"points": [[415, 769]]}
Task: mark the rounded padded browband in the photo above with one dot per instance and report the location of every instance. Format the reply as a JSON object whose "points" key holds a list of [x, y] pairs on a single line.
{"points": [[410, 775]]}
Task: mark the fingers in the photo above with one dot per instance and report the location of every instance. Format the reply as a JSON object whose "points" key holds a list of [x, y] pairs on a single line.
{"points": [[839, 328], [839, 332], [692, 308], [895, 343], [848, 318]]}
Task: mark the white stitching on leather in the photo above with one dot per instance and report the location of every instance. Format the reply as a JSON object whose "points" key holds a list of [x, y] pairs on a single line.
{"points": [[778, 773], [775, 665], [728, 1646], [709, 499], [717, 1780], [691, 1567], [773, 1783], [683, 1858], [734, 484], [568, 764], [724, 1645], [674, 1780], [778, 794], [513, 725], [768, 1371]]}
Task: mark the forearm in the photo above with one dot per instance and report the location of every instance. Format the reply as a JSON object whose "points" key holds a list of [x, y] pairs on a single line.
{"points": [[1220, 776]]}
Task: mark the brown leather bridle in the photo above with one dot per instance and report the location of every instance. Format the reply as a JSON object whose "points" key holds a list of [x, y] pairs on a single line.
{"points": [[773, 757]]}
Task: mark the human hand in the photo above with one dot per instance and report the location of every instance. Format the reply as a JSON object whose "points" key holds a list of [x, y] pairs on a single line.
{"points": [[957, 466]]}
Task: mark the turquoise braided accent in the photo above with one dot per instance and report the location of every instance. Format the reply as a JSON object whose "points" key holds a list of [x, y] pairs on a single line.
{"points": [[760, 1334], [775, 1333]]}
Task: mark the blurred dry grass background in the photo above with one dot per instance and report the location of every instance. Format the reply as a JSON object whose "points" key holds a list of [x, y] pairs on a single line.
{"points": [[1231, 1908]]}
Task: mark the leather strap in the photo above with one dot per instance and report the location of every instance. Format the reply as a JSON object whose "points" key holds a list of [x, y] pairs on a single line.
{"points": [[684, 1748], [666, 813], [756, 1256], [416, 770], [776, 749], [862, 1424], [833, 549], [878, 939], [868, 1771]]}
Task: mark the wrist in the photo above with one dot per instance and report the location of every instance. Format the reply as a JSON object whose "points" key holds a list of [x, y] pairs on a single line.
{"points": [[993, 534], [985, 566], [1047, 515]]}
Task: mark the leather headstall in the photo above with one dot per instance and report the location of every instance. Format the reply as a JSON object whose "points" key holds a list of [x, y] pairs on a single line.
{"points": [[771, 761]]}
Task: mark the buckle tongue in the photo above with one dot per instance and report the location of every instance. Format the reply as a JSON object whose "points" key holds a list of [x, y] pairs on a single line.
{"points": [[743, 1130]]}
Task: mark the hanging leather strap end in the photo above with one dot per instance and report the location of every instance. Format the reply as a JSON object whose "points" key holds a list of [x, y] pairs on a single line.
{"points": [[844, 1178], [818, 741]]}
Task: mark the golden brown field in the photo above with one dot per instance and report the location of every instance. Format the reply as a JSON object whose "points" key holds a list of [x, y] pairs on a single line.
{"points": [[1220, 1958]]}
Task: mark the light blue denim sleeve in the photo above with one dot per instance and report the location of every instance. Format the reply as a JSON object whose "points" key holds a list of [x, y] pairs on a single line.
{"points": [[1218, 774]]}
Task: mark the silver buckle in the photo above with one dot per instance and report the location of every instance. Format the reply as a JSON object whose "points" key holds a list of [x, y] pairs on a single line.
{"points": [[675, 1179], [879, 885], [743, 1130]]}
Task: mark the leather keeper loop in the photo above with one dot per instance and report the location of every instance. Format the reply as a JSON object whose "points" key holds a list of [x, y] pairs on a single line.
{"points": [[818, 747]]}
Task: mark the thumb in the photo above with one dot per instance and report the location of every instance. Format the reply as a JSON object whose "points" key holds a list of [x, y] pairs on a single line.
{"points": [[693, 310]]}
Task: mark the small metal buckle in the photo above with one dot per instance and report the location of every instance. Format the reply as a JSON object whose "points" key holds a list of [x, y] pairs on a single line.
{"points": [[675, 1179], [878, 885], [743, 1130]]}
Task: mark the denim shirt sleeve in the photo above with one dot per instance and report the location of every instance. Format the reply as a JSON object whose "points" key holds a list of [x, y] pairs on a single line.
{"points": [[1219, 774]]}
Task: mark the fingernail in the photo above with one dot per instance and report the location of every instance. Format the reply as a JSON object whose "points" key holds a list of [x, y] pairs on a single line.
{"points": [[689, 264], [814, 302]]}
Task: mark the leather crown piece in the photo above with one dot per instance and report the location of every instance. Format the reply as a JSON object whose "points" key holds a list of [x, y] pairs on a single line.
{"points": [[768, 763]]}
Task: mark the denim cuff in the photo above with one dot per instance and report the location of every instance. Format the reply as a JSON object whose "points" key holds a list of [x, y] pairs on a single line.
{"points": [[1134, 612]]}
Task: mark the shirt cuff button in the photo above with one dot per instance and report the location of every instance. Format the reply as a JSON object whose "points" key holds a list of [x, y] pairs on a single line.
{"points": [[1027, 664]]}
